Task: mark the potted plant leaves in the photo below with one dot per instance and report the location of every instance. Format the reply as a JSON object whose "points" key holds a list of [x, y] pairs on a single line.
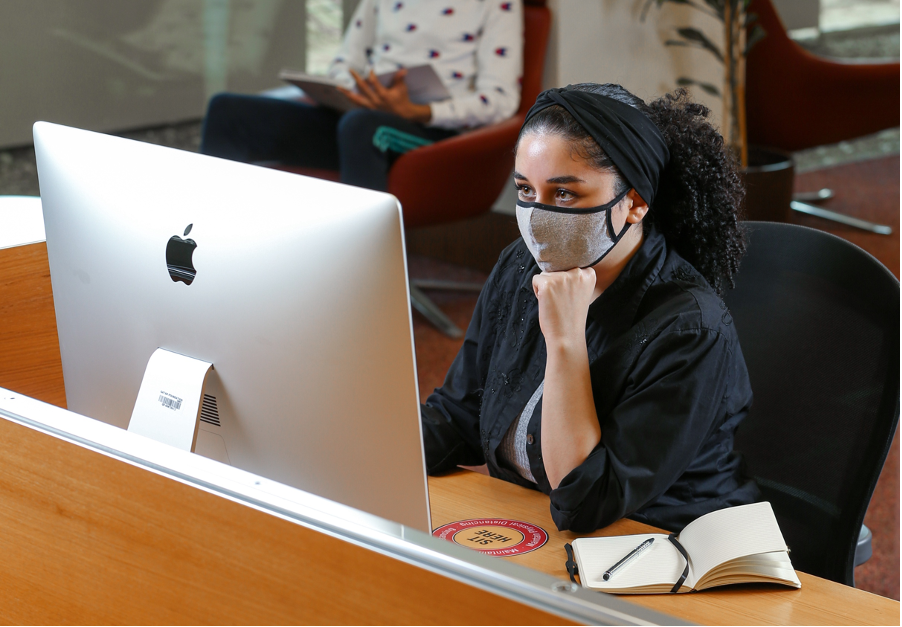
{"points": [[768, 174]]}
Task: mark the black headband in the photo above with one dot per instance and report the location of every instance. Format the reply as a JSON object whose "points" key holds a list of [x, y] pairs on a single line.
{"points": [[627, 136]]}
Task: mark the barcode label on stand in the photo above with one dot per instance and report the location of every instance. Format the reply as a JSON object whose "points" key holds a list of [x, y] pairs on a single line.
{"points": [[170, 402]]}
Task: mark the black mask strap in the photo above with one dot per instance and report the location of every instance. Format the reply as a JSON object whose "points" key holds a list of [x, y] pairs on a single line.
{"points": [[614, 238], [617, 238]]}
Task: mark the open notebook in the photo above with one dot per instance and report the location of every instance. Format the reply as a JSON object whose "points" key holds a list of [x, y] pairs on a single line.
{"points": [[740, 544]]}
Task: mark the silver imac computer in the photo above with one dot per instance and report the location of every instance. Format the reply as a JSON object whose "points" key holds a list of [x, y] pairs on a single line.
{"points": [[294, 289]]}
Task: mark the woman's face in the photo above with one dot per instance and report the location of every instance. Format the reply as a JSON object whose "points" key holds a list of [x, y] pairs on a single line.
{"points": [[547, 171]]}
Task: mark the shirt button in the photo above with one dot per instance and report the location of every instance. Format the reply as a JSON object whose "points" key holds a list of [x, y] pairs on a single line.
{"points": [[530, 439]]}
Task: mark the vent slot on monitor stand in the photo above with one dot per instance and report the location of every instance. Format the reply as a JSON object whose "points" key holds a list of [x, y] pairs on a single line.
{"points": [[208, 411]]}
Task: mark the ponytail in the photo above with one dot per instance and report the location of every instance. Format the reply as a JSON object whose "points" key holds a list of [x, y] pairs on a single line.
{"points": [[697, 207], [698, 200]]}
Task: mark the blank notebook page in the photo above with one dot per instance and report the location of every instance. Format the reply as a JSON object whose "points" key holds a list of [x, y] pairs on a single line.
{"points": [[729, 533]]}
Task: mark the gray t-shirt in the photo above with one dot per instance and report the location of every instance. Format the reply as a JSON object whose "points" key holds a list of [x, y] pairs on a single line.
{"points": [[513, 445]]}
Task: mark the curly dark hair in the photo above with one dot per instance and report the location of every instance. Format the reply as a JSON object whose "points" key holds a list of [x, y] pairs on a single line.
{"points": [[697, 205]]}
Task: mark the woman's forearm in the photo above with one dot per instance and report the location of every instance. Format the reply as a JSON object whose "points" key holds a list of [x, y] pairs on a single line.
{"points": [[570, 429]]}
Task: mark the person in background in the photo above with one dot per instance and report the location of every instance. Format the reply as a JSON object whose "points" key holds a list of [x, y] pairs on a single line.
{"points": [[601, 365], [475, 47]]}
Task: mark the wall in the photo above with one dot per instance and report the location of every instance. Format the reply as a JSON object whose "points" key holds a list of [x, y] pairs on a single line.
{"points": [[113, 65], [799, 13], [604, 41]]}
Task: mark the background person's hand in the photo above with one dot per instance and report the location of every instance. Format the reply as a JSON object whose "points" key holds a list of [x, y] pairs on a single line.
{"points": [[564, 299], [392, 99]]}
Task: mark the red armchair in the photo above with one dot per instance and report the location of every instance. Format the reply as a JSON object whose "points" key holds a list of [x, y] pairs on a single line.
{"points": [[797, 100]]}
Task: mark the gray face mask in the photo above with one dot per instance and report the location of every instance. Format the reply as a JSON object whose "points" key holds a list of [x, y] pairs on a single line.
{"points": [[561, 238]]}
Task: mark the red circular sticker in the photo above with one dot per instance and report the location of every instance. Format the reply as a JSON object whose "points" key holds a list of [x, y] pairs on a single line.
{"points": [[494, 536]]}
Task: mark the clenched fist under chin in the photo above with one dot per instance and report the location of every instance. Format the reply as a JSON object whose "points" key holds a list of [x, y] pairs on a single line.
{"points": [[564, 299]]}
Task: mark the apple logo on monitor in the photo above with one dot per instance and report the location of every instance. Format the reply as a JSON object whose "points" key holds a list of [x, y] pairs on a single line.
{"points": [[178, 258]]}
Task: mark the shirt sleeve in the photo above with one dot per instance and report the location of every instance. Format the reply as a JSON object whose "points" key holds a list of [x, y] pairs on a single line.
{"points": [[499, 62], [356, 45], [450, 416], [668, 409]]}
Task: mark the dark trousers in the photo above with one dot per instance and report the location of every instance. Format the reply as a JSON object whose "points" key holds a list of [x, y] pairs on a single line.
{"points": [[259, 128]]}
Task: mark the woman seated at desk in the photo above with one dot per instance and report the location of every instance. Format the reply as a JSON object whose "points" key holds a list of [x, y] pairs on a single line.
{"points": [[601, 366]]}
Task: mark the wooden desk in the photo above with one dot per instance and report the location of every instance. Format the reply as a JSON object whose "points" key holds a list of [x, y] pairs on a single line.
{"points": [[29, 347], [30, 364], [463, 495]]}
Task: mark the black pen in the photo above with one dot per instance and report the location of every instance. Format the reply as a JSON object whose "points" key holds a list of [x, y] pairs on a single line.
{"points": [[626, 560]]}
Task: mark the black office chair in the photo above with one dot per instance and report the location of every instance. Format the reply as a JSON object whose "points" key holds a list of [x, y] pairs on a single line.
{"points": [[818, 321]]}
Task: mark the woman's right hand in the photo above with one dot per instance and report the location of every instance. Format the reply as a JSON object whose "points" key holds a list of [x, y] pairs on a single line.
{"points": [[564, 299], [570, 428]]}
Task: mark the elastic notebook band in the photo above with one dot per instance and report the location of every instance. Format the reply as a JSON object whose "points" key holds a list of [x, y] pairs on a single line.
{"points": [[679, 583], [571, 565]]}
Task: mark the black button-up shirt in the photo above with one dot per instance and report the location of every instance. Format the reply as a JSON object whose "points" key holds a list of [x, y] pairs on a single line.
{"points": [[668, 379]]}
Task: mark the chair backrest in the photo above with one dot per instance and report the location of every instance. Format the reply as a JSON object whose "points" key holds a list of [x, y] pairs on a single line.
{"points": [[818, 321], [536, 24]]}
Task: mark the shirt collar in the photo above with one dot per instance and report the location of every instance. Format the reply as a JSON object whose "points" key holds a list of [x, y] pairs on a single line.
{"points": [[616, 308]]}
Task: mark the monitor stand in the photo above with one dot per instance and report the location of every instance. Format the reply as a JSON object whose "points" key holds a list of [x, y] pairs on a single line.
{"points": [[169, 401]]}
